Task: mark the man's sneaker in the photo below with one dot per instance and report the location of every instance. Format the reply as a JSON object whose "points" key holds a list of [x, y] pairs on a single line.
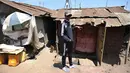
{"points": [[72, 66], [65, 69]]}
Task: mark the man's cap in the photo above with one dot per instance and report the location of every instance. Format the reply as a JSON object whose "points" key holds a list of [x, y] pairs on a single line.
{"points": [[68, 14]]}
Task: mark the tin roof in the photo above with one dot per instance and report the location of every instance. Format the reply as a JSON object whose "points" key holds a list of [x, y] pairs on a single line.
{"points": [[52, 12], [117, 9], [124, 18], [90, 12], [113, 16], [110, 22], [30, 9]]}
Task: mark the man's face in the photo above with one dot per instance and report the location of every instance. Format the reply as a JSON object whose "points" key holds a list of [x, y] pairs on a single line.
{"points": [[68, 17]]}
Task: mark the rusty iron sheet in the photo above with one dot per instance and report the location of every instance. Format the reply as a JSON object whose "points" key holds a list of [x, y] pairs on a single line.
{"points": [[113, 16], [93, 12], [86, 39], [60, 13], [124, 18], [88, 12], [30, 9], [80, 21], [112, 22], [118, 9]]}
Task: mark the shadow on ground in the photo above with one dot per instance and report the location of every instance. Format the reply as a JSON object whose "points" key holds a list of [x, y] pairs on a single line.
{"points": [[112, 59], [79, 55], [57, 65]]}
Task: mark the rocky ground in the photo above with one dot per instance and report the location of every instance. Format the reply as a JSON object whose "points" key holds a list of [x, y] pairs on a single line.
{"points": [[46, 63]]}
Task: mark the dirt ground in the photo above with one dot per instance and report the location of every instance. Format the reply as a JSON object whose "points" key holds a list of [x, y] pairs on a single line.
{"points": [[46, 63]]}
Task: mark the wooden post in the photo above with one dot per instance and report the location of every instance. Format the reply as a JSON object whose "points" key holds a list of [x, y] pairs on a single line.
{"points": [[127, 50], [103, 44]]}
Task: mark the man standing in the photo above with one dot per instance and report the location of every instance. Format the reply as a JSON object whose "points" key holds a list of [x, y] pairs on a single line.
{"points": [[67, 35]]}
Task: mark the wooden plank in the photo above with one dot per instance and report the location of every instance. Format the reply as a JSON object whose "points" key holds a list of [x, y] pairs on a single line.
{"points": [[127, 51], [101, 43]]}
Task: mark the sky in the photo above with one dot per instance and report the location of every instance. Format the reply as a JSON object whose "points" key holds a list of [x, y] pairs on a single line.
{"points": [[57, 4]]}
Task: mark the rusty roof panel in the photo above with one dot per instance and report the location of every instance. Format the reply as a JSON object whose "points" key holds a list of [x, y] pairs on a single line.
{"points": [[52, 12], [119, 9], [102, 12], [26, 8], [87, 12], [80, 21], [76, 13], [124, 18], [60, 13], [114, 16], [112, 22], [97, 21]]}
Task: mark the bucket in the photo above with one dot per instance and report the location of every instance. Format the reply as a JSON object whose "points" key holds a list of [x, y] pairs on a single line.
{"points": [[13, 60]]}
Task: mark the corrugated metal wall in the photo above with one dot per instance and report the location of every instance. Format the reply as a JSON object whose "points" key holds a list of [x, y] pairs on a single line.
{"points": [[86, 39]]}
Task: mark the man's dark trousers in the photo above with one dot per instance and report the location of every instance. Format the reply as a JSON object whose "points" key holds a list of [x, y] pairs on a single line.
{"points": [[68, 47]]}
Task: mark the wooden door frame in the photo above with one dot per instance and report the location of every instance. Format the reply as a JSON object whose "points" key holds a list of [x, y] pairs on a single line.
{"points": [[101, 42]]}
